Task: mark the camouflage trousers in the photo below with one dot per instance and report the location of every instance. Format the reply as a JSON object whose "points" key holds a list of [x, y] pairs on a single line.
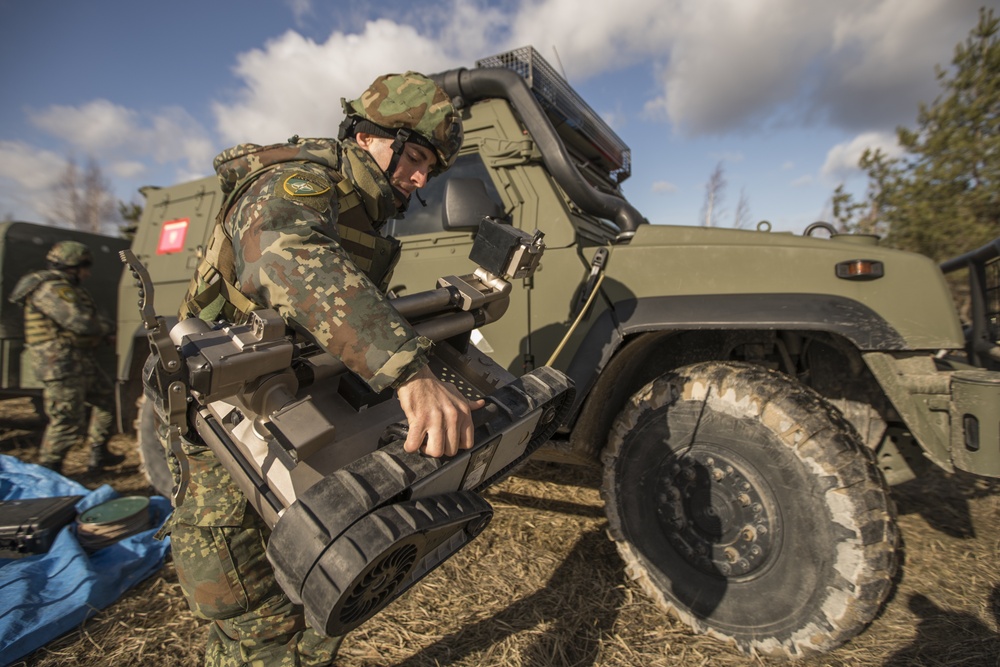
{"points": [[218, 545], [67, 401]]}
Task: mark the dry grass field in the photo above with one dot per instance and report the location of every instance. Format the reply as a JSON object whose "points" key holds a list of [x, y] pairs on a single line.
{"points": [[543, 586]]}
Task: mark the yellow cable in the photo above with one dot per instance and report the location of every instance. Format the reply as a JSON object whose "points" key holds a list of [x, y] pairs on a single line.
{"points": [[586, 307]]}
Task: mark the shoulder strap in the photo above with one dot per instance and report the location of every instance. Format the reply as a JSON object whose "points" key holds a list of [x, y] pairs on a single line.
{"points": [[373, 253], [29, 283], [220, 299]]}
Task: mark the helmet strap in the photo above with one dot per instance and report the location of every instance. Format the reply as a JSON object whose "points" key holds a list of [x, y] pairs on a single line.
{"points": [[352, 125], [398, 143]]}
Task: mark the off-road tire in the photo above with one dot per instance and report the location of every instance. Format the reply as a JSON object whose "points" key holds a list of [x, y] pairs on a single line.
{"points": [[745, 504], [154, 459]]}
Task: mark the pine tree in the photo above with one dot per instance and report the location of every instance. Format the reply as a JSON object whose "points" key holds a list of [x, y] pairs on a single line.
{"points": [[942, 197], [129, 213]]}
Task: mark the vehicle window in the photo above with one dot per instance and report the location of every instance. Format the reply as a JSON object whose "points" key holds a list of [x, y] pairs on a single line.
{"points": [[425, 220]]}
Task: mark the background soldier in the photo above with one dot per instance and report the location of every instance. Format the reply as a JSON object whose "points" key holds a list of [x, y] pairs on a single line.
{"points": [[62, 327], [298, 232]]}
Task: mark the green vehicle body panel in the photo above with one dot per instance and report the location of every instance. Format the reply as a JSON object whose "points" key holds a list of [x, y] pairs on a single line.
{"points": [[661, 282], [193, 207], [697, 261], [23, 246]]}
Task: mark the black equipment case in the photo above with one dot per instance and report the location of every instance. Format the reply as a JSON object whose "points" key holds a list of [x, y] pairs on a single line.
{"points": [[28, 527]]}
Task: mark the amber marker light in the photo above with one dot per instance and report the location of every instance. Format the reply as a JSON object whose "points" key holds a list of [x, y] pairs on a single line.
{"points": [[860, 269]]}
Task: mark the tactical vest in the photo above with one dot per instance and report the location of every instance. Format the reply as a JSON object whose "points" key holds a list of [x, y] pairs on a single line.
{"points": [[213, 294], [371, 252], [40, 328], [37, 327]]}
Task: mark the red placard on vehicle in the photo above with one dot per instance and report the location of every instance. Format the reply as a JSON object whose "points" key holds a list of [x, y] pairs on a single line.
{"points": [[172, 236]]}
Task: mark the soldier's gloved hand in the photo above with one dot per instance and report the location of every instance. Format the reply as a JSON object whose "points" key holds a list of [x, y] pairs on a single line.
{"points": [[438, 411]]}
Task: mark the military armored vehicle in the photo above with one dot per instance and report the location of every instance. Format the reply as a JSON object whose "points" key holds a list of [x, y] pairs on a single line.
{"points": [[750, 395], [23, 246]]}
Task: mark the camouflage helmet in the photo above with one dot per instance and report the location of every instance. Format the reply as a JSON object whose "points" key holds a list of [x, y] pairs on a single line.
{"points": [[70, 254], [412, 102]]}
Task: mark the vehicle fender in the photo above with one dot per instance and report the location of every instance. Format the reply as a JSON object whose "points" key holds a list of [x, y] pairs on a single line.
{"points": [[810, 312], [613, 340]]}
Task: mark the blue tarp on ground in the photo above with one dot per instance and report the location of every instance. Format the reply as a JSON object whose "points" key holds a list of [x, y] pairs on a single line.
{"points": [[47, 595]]}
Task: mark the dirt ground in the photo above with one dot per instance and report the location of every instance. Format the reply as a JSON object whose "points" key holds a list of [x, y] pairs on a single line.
{"points": [[544, 586]]}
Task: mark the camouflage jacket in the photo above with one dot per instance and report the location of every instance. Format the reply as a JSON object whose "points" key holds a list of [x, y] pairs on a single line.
{"points": [[61, 323], [281, 216]]}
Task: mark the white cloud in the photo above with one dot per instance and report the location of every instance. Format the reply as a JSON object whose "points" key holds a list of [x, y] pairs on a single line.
{"points": [[663, 187], [127, 168], [882, 57], [600, 37], [720, 66], [616, 119], [842, 159], [733, 64], [28, 166], [96, 126], [301, 10], [26, 176], [115, 133], [468, 30], [726, 65], [293, 85], [126, 144]]}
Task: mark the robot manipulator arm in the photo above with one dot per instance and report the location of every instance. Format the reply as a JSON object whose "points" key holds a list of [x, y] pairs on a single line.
{"points": [[225, 361]]}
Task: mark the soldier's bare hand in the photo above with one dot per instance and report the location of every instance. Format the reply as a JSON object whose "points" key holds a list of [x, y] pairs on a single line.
{"points": [[438, 411]]}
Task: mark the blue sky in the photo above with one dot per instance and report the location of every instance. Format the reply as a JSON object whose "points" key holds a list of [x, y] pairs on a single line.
{"points": [[784, 93]]}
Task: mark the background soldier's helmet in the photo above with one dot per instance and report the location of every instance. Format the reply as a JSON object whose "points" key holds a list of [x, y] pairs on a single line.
{"points": [[69, 254], [412, 102]]}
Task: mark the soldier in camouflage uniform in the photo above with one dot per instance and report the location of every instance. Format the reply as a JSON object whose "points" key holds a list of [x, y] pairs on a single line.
{"points": [[62, 327], [298, 232]]}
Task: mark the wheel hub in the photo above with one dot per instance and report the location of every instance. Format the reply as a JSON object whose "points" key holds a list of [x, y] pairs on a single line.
{"points": [[715, 514]]}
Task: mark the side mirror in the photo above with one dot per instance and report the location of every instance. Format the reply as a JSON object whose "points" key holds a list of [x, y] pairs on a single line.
{"points": [[466, 203]]}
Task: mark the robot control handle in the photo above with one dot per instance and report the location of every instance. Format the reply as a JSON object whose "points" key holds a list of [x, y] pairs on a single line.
{"points": [[399, 430]]}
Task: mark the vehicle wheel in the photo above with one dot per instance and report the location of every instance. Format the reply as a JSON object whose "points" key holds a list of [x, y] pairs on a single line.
{"points": [[744, 503], [154, 459]]}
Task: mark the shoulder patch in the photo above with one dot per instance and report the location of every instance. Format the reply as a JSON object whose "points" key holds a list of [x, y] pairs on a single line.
{"points": [[305, 185], [67, 294], [312, 190]]}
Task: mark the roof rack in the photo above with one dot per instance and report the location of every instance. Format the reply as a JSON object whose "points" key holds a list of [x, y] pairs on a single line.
{"points": [[572, 117]]}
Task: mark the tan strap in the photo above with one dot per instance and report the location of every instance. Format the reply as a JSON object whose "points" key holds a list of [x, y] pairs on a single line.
{"points": [[221, 299], [371, 252], [347, 196]]}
